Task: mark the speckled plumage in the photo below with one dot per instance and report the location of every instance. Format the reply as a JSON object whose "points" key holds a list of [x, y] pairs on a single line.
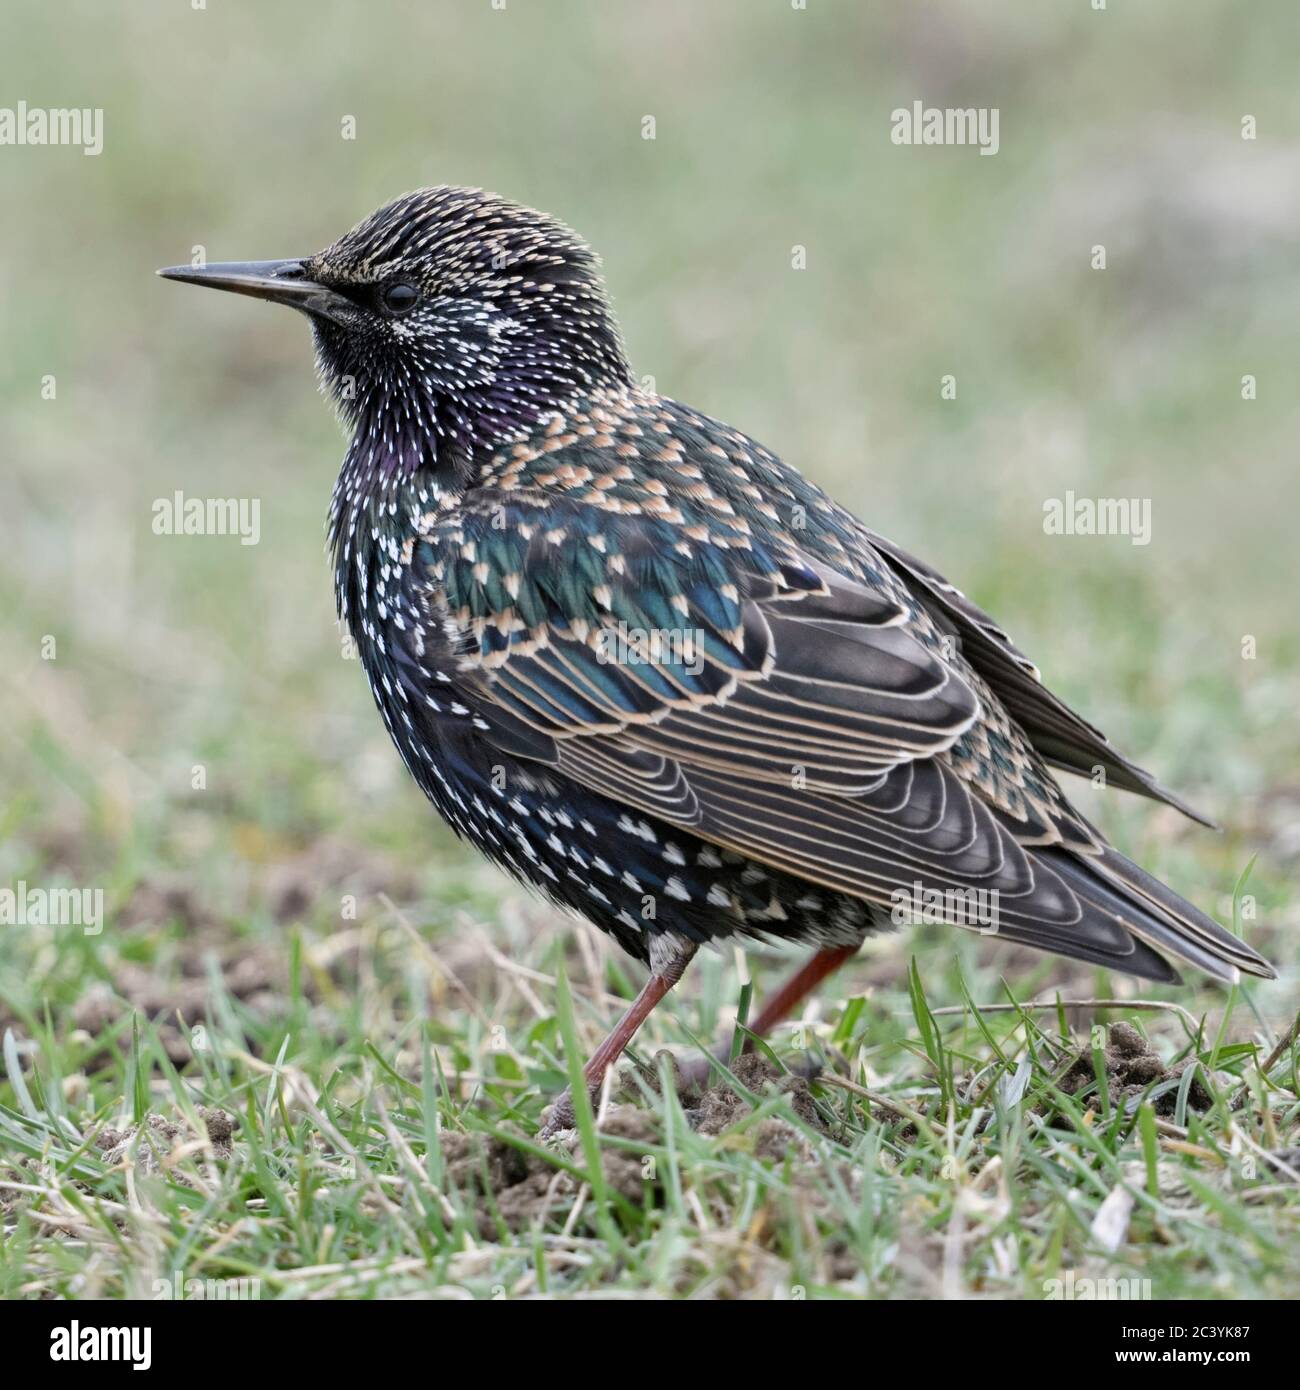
{"points": [[821, 722]]}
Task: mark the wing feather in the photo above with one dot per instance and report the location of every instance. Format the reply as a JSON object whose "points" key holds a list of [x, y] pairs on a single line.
{"points": [[808, 720]]}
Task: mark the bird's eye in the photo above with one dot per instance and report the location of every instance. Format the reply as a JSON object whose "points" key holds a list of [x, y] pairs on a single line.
{"points": [[400, 298]]}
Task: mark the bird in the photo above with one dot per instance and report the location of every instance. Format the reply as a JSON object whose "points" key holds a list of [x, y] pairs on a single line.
{"points": [[650, 669]]}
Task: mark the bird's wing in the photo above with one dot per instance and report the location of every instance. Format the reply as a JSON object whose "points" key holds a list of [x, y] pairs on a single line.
{"points": [[778, 709], [1061, 736]]}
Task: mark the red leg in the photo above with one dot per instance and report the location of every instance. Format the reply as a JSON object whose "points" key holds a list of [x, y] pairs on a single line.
{"points": [[783, 1003], [667, 962]]}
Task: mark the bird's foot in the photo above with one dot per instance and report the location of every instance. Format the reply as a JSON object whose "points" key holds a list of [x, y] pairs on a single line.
{"points": [[686, 1081], [558, 1118], [561, 1115]]}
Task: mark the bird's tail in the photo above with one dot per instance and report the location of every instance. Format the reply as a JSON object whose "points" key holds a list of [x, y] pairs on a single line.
{"points": [[1156, 915]]}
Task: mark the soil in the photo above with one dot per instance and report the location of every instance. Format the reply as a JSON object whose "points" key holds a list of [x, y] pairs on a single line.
{"points": [[1132, 1066], [162, 1137], [710, 1110], [253, 973], [518, 1188], [521, 1188]]}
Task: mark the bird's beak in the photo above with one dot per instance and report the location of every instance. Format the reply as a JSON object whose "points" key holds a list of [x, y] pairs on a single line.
{"points": [[282, 282]]}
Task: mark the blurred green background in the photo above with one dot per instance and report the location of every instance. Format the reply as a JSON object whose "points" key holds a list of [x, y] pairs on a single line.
{"points": [[223, 129]]}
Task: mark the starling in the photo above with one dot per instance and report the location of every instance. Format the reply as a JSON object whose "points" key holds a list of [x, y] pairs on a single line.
{"points": [[648, 668]]}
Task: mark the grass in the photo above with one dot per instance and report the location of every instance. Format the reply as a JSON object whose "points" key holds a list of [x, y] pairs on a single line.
{"points": [[292, 940], [385, 1101]]}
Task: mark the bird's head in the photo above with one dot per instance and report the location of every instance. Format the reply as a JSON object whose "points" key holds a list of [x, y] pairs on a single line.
{"points": [[446, 321]]}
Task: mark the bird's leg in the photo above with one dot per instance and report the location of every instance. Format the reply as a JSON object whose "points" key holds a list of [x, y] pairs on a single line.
{"points": [[784, 1002], [669, 957]]}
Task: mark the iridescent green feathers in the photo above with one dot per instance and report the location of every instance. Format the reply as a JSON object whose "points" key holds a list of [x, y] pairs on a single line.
{"points": [[686, 623]]}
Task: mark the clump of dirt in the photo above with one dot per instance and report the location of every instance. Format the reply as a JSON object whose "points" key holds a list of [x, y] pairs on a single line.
{"points": [[1131, 1066], [252, 972], [518, 1188], [521, 1188], [161, 1138], [472, 1160], [509, 1186], [626, 1171], [716, 1108]]}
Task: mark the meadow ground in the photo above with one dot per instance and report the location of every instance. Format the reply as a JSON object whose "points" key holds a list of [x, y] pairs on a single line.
{"points": [[311, 1044]]}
